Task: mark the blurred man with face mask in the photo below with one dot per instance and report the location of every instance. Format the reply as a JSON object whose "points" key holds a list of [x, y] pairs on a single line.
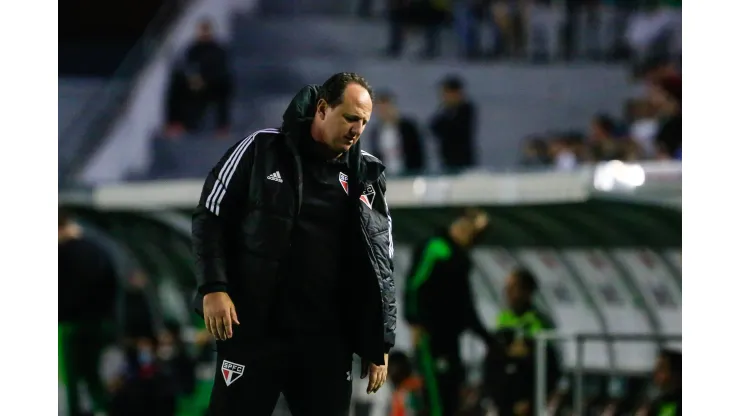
{"points": [[439, 307]]}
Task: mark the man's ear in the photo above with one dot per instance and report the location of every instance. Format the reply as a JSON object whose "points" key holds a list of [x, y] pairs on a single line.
{"points": [[321, 107]]}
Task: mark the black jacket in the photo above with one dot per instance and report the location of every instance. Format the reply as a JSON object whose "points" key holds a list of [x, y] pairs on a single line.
{"points": [[242, 230], [454, 127]]}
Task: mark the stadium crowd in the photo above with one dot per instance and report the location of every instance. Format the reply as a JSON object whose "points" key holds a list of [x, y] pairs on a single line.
{"points": [[648, 129]]}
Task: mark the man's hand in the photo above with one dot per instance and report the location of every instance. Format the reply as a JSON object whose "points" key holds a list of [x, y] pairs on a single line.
{"points": [[219, 314], [378, 374]]}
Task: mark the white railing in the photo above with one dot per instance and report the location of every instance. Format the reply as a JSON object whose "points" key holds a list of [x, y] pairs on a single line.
{"points": [[541, 341]]}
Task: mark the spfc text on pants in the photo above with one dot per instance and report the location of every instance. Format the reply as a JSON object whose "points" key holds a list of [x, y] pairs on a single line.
{"points": [[314, 377]]}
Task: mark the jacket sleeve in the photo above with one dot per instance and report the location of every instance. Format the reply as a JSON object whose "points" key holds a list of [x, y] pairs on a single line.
{"points": [[223, 196], [388, 284]]}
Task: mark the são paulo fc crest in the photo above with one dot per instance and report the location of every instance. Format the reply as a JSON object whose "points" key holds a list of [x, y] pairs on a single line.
{"points": [[343, 180], [231, 371], [368, 195]]}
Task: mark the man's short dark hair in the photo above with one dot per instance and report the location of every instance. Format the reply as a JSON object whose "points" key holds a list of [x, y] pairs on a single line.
{"points": [[526, 278], [333, 89], [605, 122], [453, 83]]}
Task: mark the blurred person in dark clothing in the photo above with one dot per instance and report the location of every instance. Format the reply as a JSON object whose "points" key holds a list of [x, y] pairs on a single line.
{"points": [[665, 94], [402, 14], [201, 79], [175, 361], [396, 139], [439, 307], [140, 317], [88, 287], [510, 371], [508, 21], [667, 380], [576, 10], [602, 144], [454, 126], [144, 388], [562, 154], [536, 153]]}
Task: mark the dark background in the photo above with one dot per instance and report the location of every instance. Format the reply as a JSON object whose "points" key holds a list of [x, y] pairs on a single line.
{"points": [[95, 35]]}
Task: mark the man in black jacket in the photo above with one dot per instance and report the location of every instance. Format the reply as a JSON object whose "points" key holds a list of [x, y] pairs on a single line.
{"points": [[454, 126], [439, 307], [293, 234], [88, 289]]}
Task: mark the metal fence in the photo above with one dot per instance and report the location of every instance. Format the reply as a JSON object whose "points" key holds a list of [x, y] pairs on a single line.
{"points": [[580, 340]]}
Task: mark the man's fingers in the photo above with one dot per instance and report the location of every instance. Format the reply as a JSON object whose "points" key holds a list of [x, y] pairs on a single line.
{"points": [[208, 324], [213, 326], [221, 328], [371, 382], [233, 316], [227, 325], [376, 379]]}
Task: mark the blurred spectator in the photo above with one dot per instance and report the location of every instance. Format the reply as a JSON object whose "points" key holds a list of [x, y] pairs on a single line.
{"points": [[439, 307], [580, 14], [428, 14], [602, 142], [396, 139], [454, 126], [176, 363], [202, 78], [562, 154], [468, 16], [141, 319], [143, 388], [665, 95], [88, 286], [536, 153], [643, 125], [510, 375], [507, 19], [655, 30], [656, 68], [542, 23], [407, 397], [667, 381]]}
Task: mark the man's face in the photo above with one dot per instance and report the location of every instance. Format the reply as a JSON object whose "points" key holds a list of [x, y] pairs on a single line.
{"points": [[662, 373], [205, 34], [342, 125], [515, 293], [450, 97]]}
